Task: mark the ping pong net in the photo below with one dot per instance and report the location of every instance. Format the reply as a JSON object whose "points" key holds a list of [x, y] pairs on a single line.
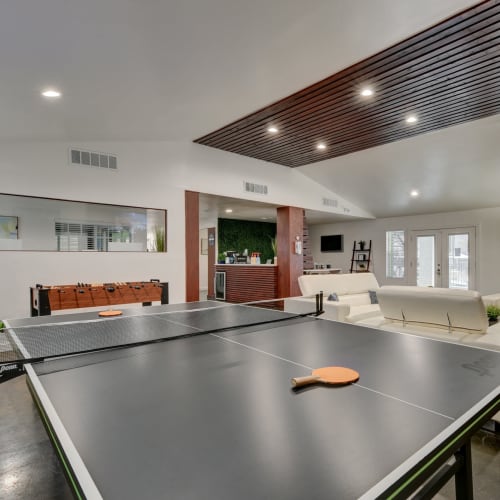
{"points": [[31, 342]]}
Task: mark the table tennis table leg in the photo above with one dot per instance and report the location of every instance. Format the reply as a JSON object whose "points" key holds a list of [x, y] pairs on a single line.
{"points": [[463, 477], [460, 468]]}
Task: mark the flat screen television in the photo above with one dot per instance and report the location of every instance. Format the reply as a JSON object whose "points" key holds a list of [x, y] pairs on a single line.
{"points": [[332, 243]]}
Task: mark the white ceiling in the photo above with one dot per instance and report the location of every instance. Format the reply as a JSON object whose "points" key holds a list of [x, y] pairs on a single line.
{"points": [[176, 70], [213, 207]]}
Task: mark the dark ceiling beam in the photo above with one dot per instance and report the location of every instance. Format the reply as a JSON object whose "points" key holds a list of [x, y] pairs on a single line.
{"points": [[447, 74]]}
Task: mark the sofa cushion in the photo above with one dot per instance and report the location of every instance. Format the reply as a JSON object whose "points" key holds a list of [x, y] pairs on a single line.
{"points": [[440, 307], [360, 313], [341, 284]]}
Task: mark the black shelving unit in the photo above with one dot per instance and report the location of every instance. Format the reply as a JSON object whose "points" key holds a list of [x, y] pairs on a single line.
{"points": [[361, 258]]}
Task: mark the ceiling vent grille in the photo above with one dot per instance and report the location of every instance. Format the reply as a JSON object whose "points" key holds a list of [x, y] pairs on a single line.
{"points": [[330, 203], [93, 159], [251, 187]]}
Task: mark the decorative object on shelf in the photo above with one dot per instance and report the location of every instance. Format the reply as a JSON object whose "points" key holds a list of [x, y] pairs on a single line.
{"points": [[361, 257]]}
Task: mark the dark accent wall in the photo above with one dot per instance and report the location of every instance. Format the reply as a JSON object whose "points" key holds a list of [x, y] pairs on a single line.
{"points": [[238, 235]]}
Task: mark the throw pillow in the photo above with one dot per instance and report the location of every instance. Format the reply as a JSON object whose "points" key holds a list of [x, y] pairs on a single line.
{"points": [[333, 296], [373, 296]]}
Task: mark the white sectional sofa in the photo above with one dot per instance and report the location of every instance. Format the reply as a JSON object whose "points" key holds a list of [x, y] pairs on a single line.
{"points": [[352, 290], [442, 313]]}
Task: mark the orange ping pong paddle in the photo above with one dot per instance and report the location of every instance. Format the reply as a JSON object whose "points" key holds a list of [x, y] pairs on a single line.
{"points": [[109, 313], [331, 375]]}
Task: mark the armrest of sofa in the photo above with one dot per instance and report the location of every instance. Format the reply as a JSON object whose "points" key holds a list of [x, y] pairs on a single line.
{"points": [[336, 311]]}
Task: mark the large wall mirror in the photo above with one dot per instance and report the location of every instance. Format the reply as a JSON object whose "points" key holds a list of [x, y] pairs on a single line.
{"points": [[32, 223]]}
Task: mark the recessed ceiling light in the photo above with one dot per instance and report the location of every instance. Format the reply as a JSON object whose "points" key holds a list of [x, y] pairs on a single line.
{"points": [[51, 93], [366, 92], [411, 119], [228, 210], [321, 145], [414, 193], [272, 130]]}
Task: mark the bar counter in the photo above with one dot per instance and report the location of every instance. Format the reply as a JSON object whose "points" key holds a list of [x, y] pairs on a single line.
{"points": [[250, 282]]}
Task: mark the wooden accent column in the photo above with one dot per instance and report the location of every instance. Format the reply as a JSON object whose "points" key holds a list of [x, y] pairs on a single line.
{"points": [[192, 210], [211, 262], [290, 222]]}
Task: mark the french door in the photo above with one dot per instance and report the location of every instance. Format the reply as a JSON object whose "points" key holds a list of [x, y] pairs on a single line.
{"points": [[443, 258]]}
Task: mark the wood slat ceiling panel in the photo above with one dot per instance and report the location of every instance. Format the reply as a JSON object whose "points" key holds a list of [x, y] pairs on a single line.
{"points": [[446, 75]]}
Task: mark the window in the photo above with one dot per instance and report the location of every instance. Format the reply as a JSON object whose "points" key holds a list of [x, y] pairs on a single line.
{"points": [[395, 254], [46, 224], [76, 237]]}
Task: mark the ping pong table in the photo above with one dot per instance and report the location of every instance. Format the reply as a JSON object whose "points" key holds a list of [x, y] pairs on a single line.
{"points": [[214, 416]]}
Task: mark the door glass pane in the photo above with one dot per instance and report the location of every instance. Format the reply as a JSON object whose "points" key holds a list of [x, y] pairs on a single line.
{"points": [[458, 261], [426, 260], [395, 254]]}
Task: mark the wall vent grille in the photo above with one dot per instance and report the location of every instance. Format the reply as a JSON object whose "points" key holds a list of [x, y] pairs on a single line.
{"points": [[93, 159], [251, 187], [330, 203]]}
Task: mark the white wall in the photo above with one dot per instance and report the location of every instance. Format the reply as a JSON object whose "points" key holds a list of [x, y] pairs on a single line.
{"points": [[486, 221], [203, 262], [150, 174]]}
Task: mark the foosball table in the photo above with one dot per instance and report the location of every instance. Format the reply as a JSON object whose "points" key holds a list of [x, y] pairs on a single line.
{"points": [[45, 299]]}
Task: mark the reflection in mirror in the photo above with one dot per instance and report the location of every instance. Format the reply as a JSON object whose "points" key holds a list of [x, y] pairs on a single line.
{"points": [[32, 223]]}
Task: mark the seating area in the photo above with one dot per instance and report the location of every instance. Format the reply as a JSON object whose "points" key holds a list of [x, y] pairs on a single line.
{"points": [[442, 313], [352, 296]]}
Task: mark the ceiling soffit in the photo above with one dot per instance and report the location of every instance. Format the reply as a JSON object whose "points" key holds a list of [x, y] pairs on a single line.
{"points": [[445, 75]]}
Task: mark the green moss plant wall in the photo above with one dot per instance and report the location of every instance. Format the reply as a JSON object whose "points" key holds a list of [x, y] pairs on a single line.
{"points": [[238, 235]]}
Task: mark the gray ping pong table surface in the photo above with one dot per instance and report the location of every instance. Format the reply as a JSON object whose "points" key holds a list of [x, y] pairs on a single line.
{"points": [[214, 416]]}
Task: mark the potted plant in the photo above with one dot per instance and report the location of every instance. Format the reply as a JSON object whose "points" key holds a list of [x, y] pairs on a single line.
{"points": [[159, 239], [362, 244], [493, 312]]}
